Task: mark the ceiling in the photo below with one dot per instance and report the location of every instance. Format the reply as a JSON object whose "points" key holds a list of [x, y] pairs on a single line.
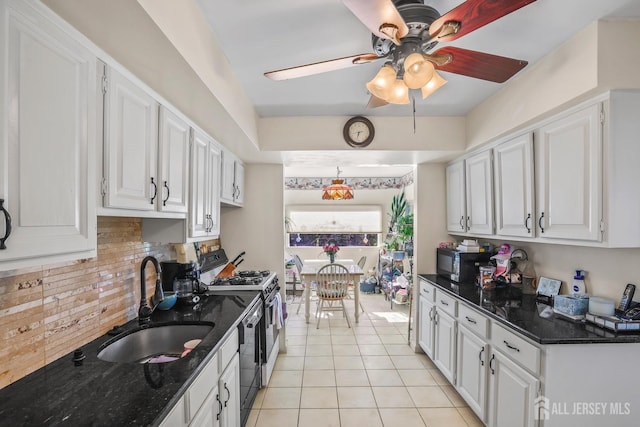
{"points": [[259, 36]]}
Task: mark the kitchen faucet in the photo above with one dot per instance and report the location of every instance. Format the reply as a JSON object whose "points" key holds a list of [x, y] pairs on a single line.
{"points": [[144, 312]]}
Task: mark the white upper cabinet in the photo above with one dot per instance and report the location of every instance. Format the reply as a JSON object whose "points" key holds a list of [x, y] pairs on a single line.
{"points": [[513, 180], [232, 185], [204, 215], [569, 176], [48, 135], [130, 152], [479, 190], [173, 150], [456, 198]]}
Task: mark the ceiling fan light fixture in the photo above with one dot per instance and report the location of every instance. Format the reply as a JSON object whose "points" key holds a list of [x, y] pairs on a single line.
{"points": [[382, 84], [433, 85], [417, 71], [399, 93]]}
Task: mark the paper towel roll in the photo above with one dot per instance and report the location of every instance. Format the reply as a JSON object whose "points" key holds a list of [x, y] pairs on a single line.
{"points": [[601, 306]]}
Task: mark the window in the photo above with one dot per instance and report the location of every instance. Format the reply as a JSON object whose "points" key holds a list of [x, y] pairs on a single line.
{"points": [[316, 225]]}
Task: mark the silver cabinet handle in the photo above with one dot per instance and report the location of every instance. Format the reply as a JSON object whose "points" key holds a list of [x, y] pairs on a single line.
{"points": [[510, 346], [470, 320]]}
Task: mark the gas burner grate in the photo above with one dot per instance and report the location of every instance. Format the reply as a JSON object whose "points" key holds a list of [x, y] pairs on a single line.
{"points": [[250, 273]]}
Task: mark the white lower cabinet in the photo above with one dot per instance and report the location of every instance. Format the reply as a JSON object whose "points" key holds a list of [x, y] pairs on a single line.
{"points": [[229, 386], [471, 374], [512, 393], [209, 413], [427, 326], [445, 344]]}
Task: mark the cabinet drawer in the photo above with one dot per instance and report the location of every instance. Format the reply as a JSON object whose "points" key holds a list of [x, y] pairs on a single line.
{"points": [[228, 350], [473, 320], [446, 302], [428, 291], [202, 386], [521, 351]]}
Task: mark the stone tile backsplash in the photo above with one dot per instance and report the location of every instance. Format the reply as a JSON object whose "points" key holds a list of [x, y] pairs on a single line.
{"points": [[48, 311]]}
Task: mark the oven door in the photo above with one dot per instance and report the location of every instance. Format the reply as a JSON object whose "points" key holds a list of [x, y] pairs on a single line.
{"points": [[250, 360], [271, 336]]}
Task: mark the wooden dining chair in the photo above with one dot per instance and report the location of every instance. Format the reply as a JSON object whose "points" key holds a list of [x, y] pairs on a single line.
{"points": [[332, 285]]}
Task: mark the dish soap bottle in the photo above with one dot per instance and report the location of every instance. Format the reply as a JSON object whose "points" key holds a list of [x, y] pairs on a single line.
{"points": [[578, 286]]}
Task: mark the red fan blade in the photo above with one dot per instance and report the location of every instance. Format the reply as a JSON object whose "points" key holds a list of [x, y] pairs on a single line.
{"points": [[471, 15], [321, 67], [479, 65], [375, 102], [376, 13]]}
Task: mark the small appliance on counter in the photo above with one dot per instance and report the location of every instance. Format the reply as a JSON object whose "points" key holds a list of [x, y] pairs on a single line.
{"points": [[461, 267]]}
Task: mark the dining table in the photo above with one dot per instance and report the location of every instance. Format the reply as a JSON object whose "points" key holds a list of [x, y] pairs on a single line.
{"points": [[308, 275]]}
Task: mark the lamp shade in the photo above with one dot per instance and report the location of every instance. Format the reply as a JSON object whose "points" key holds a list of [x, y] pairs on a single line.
{"points": [[417, 71], [381, 85], [434, 84], [338, 190], [399, 93]]}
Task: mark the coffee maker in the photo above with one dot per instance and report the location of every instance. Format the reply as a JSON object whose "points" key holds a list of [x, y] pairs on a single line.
{"points": [[179, 270]]}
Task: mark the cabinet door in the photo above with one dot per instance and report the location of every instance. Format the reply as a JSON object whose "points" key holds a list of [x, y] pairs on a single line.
{"points": [[199, 212], [229, 385], [513, 178], [209, 413], [569, 176], [239, 183], [213, 191], [47, 137], [512, 393], [425, 338], [471, 375], [456, 198], [479, 191], [227, 184], [131, 146], [173, 153], [445, 345]]}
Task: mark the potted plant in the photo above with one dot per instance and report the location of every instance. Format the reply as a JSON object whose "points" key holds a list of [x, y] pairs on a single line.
{"points": [[405, 232], [399, 208]]}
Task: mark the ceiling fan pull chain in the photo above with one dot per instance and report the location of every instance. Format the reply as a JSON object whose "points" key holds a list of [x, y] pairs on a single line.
{"points": [[414, 113]]}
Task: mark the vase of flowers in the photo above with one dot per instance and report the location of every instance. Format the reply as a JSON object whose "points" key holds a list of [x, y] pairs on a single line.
{"points": [[330, 249]]}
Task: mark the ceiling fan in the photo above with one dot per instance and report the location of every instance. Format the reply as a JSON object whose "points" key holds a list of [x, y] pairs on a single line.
{"points": [[404, 32]]}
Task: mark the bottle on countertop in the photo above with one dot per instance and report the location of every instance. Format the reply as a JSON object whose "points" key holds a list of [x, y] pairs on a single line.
{"points": [[578, 287]]}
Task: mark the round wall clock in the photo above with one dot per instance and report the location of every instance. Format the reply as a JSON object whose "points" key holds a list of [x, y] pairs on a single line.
{"points": [[358, 132]]}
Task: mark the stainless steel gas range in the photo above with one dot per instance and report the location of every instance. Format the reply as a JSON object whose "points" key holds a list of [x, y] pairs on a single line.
{"points": [[267, 283]]}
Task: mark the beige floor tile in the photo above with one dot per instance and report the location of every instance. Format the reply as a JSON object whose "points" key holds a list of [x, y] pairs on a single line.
{"points": [[319, 397], [348, 362], [399, 350], [378, 322], [289, 363], [393, 339], [252, 418], [401, 417], [296, 339], [438, 377], [392, 397], [453, 396], [442, 417], [318, 362], [356, 397], [286, 379], [257, 402], [295, 350], [343, 339], [294, 330], [280, 398], [319, 418], [319, 378], [319, 350], [416, 377], [426, 362], [345, 350], [368, 339], [359, 417], [277, 418], [470, 417], [319, 339], [364, 330], [373, 349], [351, 378], [341, 330], [407, 362], [386, 330], [429, 397], [384, 377], [362, 322], [316, 332], [377, 362]]}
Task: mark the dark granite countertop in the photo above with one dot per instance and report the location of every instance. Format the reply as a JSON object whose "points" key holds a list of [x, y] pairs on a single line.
{"points": [[100, 393], [520, 312]]}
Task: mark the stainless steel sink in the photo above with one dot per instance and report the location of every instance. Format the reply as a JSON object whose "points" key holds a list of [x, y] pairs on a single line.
{"points": [[152, 344]]}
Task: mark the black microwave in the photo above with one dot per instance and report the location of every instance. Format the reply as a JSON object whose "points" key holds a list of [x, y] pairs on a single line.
{"points": [[459, 266]]}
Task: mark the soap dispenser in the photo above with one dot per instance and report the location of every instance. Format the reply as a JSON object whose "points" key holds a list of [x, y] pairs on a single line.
{"points": [[578, 287]]}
